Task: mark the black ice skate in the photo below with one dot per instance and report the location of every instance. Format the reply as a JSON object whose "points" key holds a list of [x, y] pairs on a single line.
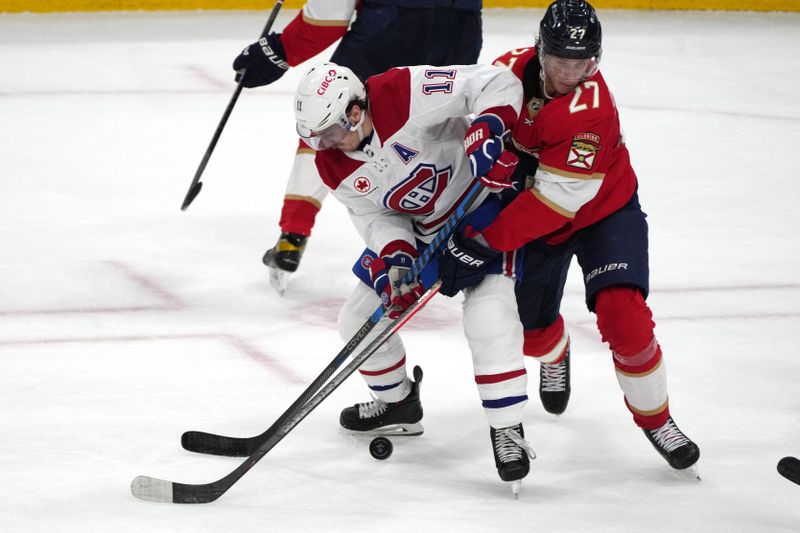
{"points": [[554, 385], [512, 454], [284, 258], [381, 418], [680, 452]]}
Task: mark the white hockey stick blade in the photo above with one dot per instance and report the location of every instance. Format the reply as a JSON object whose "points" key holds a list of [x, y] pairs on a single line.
{"points": [[152, 489]]}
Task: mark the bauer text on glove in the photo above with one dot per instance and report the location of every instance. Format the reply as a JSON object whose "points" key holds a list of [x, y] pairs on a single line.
{"points": [[264, 61], [463, 264], [488, 161]]}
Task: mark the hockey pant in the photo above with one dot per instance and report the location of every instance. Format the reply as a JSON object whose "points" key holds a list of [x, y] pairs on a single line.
{"points": [[494, 335]]}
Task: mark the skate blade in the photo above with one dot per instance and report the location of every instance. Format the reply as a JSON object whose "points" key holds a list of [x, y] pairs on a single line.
{"points": [[279, 279], [394, 430], [515, 487], [692, 473]]}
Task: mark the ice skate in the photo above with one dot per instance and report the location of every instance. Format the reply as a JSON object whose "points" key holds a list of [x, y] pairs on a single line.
{"points": [[554, 385], [675, 447], [379, 418], [284, 259], [512, 455]]}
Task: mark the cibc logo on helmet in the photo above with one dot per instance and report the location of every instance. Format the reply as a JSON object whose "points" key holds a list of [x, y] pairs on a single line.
{"points": [[326, 82]]}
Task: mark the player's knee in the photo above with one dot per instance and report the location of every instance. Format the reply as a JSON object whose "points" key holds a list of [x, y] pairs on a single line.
{"points": [[624, 319], [491, 321], [358, 307]]}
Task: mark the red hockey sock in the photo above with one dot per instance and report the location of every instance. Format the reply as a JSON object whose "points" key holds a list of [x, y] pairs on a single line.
{"points": [[298, 215]]}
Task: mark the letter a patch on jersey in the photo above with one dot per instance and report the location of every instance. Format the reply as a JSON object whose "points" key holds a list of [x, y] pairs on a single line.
{"points": [[583, 150], [405, 153]]}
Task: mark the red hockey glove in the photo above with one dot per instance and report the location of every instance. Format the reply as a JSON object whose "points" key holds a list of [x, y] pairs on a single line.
{"points": [[488, 161], [386, 273]]}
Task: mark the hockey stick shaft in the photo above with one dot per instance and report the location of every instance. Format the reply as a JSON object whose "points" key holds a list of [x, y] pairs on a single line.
{"points": [[196, 185], [159, 490], [210, 443]]}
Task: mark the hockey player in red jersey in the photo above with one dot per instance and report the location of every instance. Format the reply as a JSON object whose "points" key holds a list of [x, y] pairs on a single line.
{"points": [[580, 199], [383, 34], [394, 152]]}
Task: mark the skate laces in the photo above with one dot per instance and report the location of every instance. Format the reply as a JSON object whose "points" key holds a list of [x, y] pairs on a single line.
{"points": [[509, 445], [554, 376], [668, 436], [371, 409]]}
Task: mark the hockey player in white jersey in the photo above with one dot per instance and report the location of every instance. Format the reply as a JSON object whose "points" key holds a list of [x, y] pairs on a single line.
{"points": [[395, 152]]}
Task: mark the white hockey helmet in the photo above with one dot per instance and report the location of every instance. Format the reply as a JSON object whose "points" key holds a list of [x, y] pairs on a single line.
{"points": [[320, 104]]}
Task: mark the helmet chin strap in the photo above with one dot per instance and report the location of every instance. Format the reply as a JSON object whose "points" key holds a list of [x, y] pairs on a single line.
{"points": [[359, 127], [544, 83]]}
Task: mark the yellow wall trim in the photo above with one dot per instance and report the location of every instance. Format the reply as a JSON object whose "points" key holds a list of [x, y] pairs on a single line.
{"points": [[48, 6]]}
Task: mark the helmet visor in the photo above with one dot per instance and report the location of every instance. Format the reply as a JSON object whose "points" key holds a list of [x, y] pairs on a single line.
{"points": [[323, 139], [567, 71]]}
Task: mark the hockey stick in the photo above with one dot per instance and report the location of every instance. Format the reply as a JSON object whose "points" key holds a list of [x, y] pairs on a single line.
{"points": [[194, 188], [159, 490], [210, 443]]}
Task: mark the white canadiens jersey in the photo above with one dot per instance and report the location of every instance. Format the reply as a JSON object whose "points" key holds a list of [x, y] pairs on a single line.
{"points": [[405, 182]]}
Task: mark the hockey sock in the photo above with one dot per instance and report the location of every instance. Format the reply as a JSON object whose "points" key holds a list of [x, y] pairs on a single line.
{"points": [[625, 323], [548, 344]]}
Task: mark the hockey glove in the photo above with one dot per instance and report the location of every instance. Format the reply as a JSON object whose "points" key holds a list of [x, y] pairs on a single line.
{"points": [[465, 262], [265, 62], [488, 161], [386, 273]]}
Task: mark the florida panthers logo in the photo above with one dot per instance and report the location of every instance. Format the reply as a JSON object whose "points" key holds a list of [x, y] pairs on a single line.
{"points": [[417, 194]]}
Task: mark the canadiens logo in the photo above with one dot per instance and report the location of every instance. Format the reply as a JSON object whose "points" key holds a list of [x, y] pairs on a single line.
{"points": [[362, 184], [417, 194], [583, 150], [366, 261]]}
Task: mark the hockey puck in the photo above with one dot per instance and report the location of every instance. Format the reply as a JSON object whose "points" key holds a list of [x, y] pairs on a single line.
{"points": [[789, 467], [381, 448]]}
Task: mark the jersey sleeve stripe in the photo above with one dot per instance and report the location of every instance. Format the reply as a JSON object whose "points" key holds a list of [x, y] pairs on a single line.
{"points": [[318, 22], [572, 175], [552, 205]]}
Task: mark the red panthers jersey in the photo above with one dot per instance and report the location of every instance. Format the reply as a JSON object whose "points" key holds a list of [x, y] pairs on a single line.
{"points": [[584, 171]]}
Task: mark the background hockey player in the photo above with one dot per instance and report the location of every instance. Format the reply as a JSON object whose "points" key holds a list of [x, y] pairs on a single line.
{"points": [[385, 34], [582, 202], [394, 153]]}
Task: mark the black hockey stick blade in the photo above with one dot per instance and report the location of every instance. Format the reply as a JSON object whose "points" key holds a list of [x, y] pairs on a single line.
{"points": [[789, 467], [191, 194], [213, 444]]}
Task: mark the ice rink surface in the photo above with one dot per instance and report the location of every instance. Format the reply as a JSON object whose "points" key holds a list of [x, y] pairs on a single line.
{"points": [[124, 321]]}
